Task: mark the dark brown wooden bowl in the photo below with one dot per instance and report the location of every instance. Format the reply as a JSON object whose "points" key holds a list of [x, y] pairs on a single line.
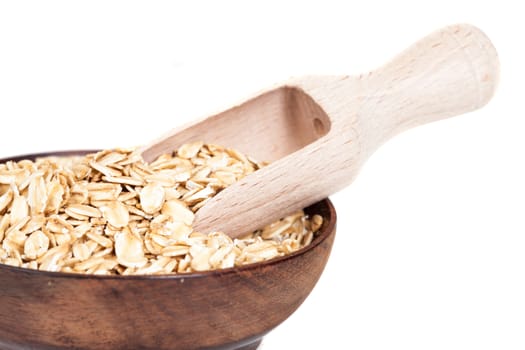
{"points": [[223, 309]]}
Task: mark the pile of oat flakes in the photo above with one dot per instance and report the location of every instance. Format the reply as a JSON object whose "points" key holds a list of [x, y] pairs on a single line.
{"points": [[111, 213]]}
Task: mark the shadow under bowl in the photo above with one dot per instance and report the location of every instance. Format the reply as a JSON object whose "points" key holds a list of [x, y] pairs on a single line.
{"points": [[222, 309]]}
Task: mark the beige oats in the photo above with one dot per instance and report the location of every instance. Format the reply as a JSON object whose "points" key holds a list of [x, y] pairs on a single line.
{"points": [[84, 210], [36, 245], [100, 239], [81, 251], [4, 224], [5, 200], [178, 211], [105, 170], [116, 214], [55, 196], [152, 198], [19, 209], [111, 158], [175, 250], [16, 236], [128, 250], [189, 150], [37, 195], [124, 180], [317, 222], [35, 223], [111, 213], [52, 259]]}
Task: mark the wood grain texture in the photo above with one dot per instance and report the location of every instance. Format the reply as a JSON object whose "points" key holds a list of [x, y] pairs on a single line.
{"points": [[225, 309], [319, 130]]}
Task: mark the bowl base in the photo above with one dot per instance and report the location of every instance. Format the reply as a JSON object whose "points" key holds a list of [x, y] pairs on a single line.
{"points": [[246, 344], [251, 346]]}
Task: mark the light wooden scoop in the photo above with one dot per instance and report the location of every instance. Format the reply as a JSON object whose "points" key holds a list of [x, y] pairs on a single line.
{"points": [[319, 130]]}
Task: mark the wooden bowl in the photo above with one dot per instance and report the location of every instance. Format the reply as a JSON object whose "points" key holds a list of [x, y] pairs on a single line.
{"points": [[223, 309]]}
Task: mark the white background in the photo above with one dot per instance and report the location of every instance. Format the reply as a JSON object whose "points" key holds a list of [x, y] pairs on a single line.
{"points": [[430, 251]]}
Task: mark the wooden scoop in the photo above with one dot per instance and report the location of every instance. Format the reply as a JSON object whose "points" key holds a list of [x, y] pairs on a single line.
{"points": [[318, 130]]}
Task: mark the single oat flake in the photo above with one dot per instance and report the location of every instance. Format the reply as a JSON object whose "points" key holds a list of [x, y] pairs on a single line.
{"points": [[110, 213]]}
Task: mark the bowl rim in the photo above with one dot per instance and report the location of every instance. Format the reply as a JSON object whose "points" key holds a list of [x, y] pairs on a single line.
{"points": [[327, 229]]}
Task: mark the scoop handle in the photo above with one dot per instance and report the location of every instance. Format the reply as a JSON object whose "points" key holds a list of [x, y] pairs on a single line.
{"points": [[451, 71]]}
